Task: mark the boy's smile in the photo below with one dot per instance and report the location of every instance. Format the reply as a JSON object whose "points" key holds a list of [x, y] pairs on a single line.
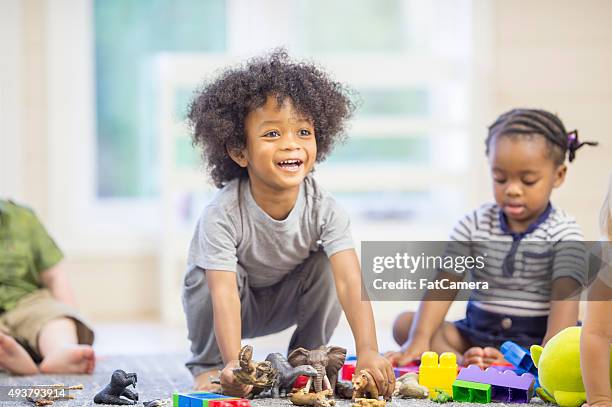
{"points": [[524, 174]]}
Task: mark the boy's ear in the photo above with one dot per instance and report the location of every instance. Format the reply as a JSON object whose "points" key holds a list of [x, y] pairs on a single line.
{"points": [[239, 156], [560, 175]]}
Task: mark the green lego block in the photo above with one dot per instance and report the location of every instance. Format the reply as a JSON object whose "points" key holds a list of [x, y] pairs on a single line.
{"points": [[471, 392]]}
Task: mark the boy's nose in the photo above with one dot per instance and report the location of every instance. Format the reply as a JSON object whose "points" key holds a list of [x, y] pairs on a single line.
{"points": [[291, 143]]}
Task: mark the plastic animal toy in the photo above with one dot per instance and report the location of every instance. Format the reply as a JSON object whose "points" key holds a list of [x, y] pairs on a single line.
{"points": [[408, 386], [260, 375], [558, 366], [327, 360], [364, 386], [369, 403], [302, 398], [344, 389], [442, 396], [286, 374], [117, 392]]}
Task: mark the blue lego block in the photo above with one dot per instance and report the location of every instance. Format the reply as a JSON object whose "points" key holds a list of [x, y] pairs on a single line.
{"points": [[519, 357], [196, 399]]}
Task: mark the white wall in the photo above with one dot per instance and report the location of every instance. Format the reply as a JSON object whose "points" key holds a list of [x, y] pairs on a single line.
{"points": [[557, 55]]}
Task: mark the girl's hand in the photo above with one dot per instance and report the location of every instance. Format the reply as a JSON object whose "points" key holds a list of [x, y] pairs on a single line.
{"points": [[228, 383], [410, 352], [381, 371]]}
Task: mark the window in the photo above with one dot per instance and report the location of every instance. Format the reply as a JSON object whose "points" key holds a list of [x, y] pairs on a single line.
{"points": [[123, 79], [128, 37]]}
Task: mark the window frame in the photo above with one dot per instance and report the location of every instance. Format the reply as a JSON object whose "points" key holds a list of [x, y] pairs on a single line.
{"points": [[87, 224]]}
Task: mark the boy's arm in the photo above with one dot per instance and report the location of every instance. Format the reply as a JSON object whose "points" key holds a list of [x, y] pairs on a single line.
{"points": [[228, 329], [595, 349], [347, 276], [564, 311], [56, 280]]}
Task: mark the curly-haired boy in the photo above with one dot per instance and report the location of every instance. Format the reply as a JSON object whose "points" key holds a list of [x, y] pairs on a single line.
{"points": [[273, 249]]}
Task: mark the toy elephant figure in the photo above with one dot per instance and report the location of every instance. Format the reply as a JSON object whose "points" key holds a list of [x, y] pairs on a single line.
{"points": [[327, 360]]}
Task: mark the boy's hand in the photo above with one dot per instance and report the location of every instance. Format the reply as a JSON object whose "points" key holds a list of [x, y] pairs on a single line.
{"points": [[381, 370], [228, 383], [411, 351]]}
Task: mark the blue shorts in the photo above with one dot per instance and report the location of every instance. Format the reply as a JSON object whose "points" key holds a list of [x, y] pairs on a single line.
{"points": [[483, 328]]}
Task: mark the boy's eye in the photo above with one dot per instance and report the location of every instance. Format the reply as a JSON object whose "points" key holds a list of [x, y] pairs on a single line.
{"points": [[499, 180], [272, 134], [305, 132]]}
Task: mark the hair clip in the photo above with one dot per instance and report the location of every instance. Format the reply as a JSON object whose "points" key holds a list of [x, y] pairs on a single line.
{"points": [[573, 144]]}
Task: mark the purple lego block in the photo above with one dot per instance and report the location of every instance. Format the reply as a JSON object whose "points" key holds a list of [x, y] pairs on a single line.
{"points": [[505, 387]]}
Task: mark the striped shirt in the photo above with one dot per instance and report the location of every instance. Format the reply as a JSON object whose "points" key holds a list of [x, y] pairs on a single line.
{"points": [[520, 267]]}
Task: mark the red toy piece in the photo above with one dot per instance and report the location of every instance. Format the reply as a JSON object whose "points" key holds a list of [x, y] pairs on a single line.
{"points": [[348, 370], [300, 382]]}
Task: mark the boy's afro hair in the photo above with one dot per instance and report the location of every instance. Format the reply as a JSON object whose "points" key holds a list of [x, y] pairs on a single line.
{"points": [[219, 108]]}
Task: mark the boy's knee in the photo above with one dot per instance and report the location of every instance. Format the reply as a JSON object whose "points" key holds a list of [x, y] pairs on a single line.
{"points": [[401, 327]]}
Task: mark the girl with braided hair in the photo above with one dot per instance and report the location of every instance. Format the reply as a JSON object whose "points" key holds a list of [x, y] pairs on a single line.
{"points": [[519, 235]]}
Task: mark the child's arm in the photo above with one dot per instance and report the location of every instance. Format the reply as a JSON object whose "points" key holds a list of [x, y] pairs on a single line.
{"points": [[563, 312], [347, 276], [228, 329], [56, 280], [595, 347], [427, 320]]}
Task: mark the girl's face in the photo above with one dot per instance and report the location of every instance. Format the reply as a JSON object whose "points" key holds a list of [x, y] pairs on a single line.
{"points": [[524, 175], [280, 146]]}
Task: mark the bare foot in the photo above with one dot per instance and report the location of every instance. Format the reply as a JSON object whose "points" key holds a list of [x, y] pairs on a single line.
{"points": [[483, 357], [70, 359], [202, 381], [473, 356], [14, 358], [492, 355]]}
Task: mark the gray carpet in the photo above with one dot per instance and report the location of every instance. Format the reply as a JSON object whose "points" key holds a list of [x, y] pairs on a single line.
{"points": [[158, 377]]}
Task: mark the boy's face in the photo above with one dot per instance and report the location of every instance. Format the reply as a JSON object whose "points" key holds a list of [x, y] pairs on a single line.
{"points": [[280, 146], [524, 175]]}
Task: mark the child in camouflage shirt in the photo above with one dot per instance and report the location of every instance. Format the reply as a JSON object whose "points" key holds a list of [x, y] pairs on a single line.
{"points": [[40, 330]]}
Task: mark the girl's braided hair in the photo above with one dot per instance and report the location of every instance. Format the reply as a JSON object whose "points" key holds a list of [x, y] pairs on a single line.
{"points": [[529, 122]]}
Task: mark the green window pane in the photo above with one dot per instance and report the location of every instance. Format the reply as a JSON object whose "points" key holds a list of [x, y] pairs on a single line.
{"points": [[129, 34], [186, 155], [353, 26], [410, 149], [394, 102]]}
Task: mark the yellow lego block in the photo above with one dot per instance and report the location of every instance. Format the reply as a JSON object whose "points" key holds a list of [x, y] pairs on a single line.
{"points": [[438, 376]]}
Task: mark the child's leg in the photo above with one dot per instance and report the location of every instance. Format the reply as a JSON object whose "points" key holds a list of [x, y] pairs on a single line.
{"points": [[59, 346], [206, 360], [317, 308], [447, 339], [53, 331], [14, 358]]}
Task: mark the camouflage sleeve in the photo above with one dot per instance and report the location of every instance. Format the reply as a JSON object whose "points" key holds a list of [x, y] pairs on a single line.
{"points": [[46, 253]]}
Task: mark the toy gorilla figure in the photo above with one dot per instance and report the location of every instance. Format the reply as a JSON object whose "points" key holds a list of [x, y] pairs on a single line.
{"points": [[117, 388]]}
